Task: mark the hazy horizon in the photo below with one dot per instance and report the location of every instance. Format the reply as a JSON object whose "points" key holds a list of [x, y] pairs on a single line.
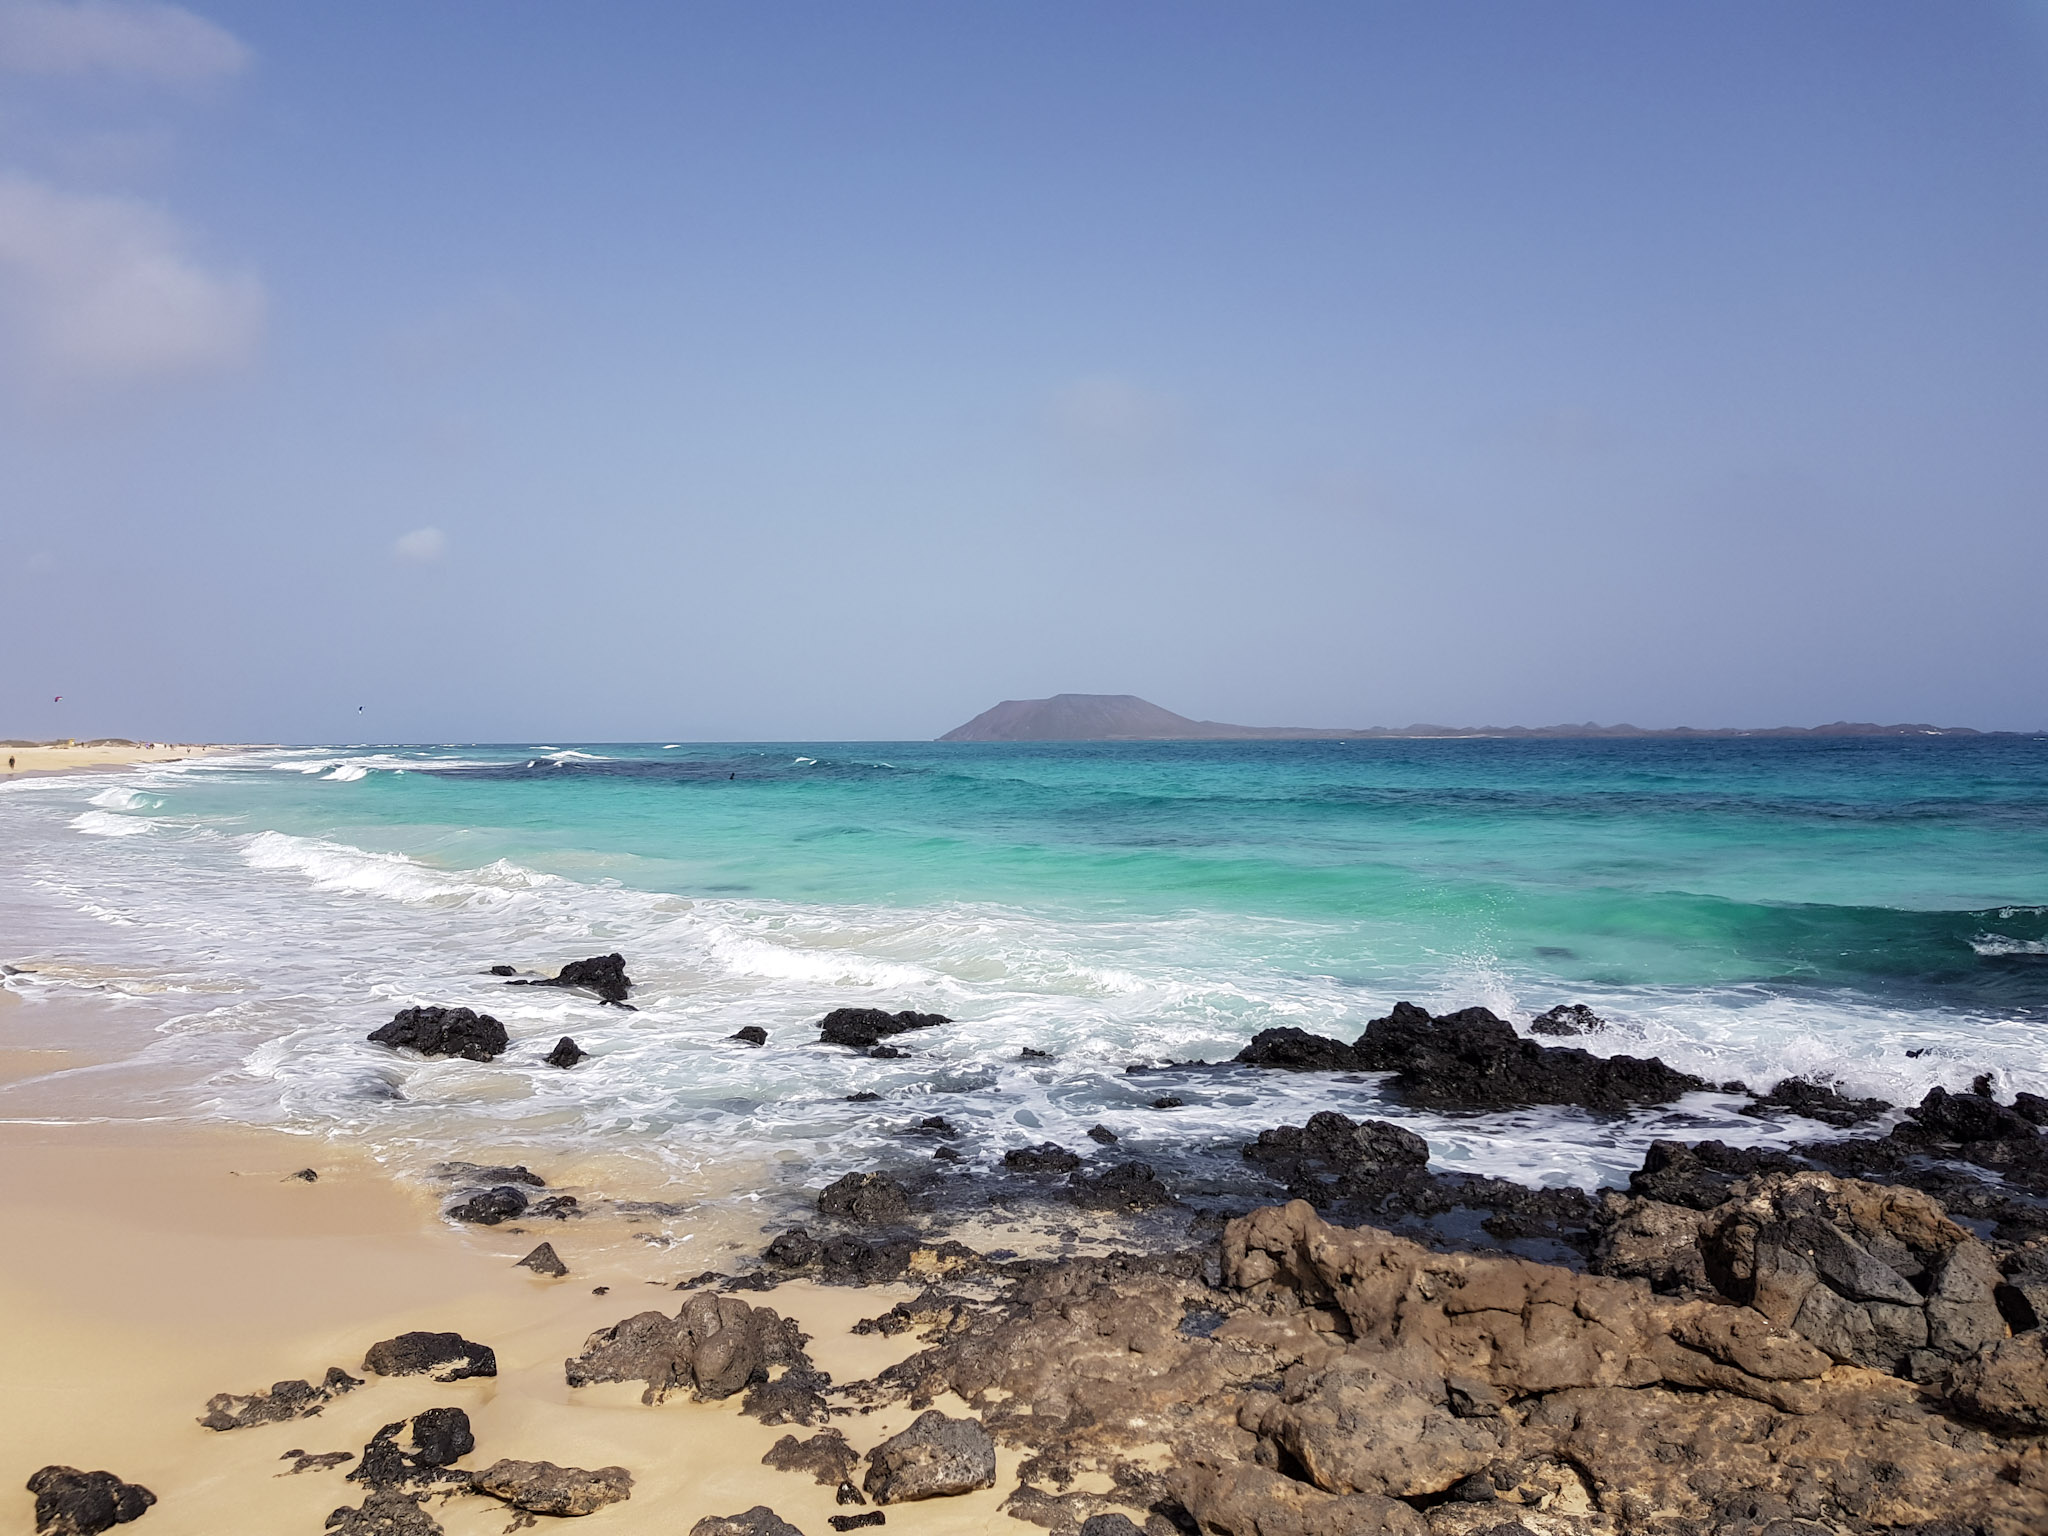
{"points": [[718, 374]]}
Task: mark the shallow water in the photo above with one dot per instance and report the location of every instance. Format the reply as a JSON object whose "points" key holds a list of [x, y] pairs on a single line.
{"points": [[1745, 909]]}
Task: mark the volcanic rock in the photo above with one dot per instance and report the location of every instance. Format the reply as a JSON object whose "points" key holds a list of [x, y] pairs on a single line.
{"points": [[1473, 1059], [1121, 1187], [1336, 1143], [863, 1029], [750, 1034], [544, 1261], [444, 1032], [1567, 1019], [490, 1207], [441, 1436], [2005, 1385], [867, 1198], [385, 1512], [546, 1489], [758, 1521], [714, 1347], [566, 1053], [418, 1354], [826, 1456], [1296, 1050], [1816, 1102], [1047, 1157], [604, 975], [74, 1503], [285, 1400], [935, 1458], [1702, 1176]]}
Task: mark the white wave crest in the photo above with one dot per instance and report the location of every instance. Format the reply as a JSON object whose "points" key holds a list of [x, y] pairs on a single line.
{"points": [[105, 824], [121, 798], [394, 876], [1999, 944]]}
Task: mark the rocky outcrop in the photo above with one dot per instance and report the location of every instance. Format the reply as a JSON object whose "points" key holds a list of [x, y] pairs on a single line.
{"points": [[285, 1400], [826, 1456], [749, 1034], [713, 1348], [544, 1261], [864, 1029], [74, 1503], [459, 1032], [758, 1521], [1816, 1101], [440, 1437], [444, 1356], [2005, 1385], [385, 1512], [1047, 1157], [1333, 1145], [490, 1207], [542, 1488], [1296, 1050], [603, 975], [1873, 1275], [870, 1199], [935, 1458], [566, 1053], [1567, 1019], [1129, 1186], [1472, 1059]]}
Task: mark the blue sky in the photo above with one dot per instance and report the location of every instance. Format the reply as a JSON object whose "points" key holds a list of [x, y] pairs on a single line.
{"points": [[549, 371]]}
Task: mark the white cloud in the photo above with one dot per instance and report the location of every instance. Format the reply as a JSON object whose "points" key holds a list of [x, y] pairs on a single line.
{"points": [[103, 289], [140, 39], [421, 546], [1110, 421]]}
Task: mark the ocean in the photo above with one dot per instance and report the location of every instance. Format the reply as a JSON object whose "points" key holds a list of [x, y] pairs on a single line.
{"points": [[1872, 913]]}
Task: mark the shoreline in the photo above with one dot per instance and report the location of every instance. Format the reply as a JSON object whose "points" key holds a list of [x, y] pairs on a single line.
{"points": [[150, 1266], [49, 760]]}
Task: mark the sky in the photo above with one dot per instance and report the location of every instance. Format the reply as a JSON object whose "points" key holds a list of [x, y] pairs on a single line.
{"points": [[507, 371]]}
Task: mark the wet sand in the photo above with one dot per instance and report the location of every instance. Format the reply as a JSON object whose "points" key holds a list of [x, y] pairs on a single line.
{"points": [[146, 1266], [41, 761]]}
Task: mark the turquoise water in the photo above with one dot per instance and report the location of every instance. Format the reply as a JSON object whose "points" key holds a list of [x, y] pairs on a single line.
{"points": [[1744, 908]]}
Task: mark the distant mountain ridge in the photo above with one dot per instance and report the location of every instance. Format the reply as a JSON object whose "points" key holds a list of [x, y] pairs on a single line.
{"points": [[1126, 717]]}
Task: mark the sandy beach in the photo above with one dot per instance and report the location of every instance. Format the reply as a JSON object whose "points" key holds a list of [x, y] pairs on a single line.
{"points": [[42, 758], [150, 1266]]}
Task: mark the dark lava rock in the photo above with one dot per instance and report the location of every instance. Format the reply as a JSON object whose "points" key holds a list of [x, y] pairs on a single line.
{"points": [[1816, 1102], [304, 1176], [546, 1489], [444, 1032], [934, 1458], [441, 1436], [1168, 1101], [1124, 1187], [865, 1096], [490, 1207], [1473, 1059], [74, 1503], [715, 1346], [1338, 1143], [758, 1521], [1103, 1134], [285, 1400], [856, 1522], [826, 1456], [2005, 1385], [1700, 1177], [849, 1261], [544, 1261], [866, 1198], [2031, 1107], [603, 974], [1111, 1525], [1046, 1157], [1028, 1054], [566, 1053], [383, 1464], [1296, 1050], [1567, 1019], [419, 1354], [557, 1208], [502, 970], [794, 1249], [864, 1028], [797, 1396], [749, 1034], [846, 1493], [934, 1125], [385, 1512], [1965, 1117], [489, 1173]]}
